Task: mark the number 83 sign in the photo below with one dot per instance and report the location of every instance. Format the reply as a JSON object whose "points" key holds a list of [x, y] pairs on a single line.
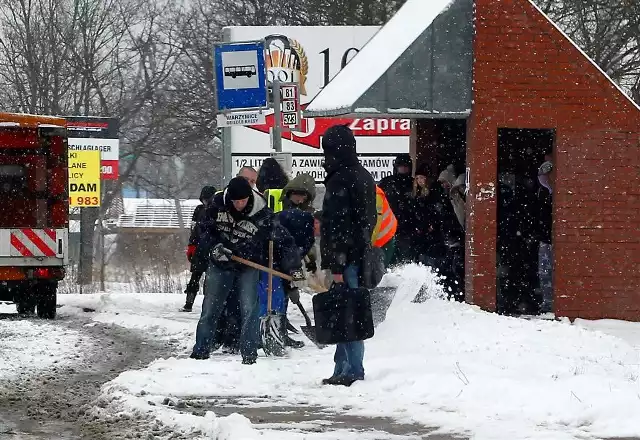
{"points": [[290, 102]]}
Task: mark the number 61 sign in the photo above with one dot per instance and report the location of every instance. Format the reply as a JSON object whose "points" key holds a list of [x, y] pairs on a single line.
{"points": [[290, 103]]}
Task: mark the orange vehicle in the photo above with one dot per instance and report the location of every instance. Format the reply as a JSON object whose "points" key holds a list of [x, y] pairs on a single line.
{"points": [[34, 211]]}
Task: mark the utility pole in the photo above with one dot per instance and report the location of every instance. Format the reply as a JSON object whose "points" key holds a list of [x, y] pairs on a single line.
{"points": [[276, 132]]}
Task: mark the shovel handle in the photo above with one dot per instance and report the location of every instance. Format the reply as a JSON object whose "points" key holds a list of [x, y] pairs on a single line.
{"points": [[318, 288], [304, 313], [249, 263]]}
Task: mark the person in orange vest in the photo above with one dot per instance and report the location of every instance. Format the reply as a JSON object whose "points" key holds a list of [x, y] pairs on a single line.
{"points": [[384, 234]]}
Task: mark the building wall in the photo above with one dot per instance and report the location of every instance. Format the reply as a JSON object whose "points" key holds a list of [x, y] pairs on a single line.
{"points": [[527, 75]]}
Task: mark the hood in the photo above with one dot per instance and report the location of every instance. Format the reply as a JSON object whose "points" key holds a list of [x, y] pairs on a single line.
{"points": [[271, 175], [403, 160], [207, 193], [339, 146], [301, 183]]}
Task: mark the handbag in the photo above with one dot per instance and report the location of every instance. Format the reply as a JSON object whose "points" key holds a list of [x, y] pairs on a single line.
{"points": [[343, 315]]}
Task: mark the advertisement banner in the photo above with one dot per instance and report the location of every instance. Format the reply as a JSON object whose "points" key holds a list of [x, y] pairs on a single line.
{"points": [[379, 166], [88, 133], [84, 178], [311, 56]]}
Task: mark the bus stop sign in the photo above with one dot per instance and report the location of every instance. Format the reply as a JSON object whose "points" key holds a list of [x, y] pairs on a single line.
{"points": [[240, 76]]}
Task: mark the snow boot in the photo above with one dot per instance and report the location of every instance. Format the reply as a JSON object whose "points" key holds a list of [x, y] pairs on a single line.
{"points": [[191, 298], [289, 342], [199, 355], [248, 360]]}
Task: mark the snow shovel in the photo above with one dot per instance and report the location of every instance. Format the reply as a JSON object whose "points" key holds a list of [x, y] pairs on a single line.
{"points": [[271, 331], [309, 330]]}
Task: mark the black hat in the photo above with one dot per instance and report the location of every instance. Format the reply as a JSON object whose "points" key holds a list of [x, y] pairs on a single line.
{"points": [[403, 160], [207, 192], [338, 138], [238, 189]]}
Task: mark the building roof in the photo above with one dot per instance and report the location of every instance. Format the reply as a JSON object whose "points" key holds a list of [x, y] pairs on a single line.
{"points": [[156, 213], [418, 64]]}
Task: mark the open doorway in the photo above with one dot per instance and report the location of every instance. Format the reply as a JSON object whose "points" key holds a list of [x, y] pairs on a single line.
{"points": [[438, 232], [523, 285]]}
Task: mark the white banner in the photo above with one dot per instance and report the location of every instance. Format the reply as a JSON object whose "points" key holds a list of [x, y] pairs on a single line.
{"points": [[379, 166]]}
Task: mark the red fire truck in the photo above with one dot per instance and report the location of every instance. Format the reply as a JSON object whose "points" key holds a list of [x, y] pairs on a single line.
{"points": [[34, 211]]}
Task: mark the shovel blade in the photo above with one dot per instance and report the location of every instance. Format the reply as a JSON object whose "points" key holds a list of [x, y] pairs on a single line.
{"points": [[271, 332], [310, 332]]}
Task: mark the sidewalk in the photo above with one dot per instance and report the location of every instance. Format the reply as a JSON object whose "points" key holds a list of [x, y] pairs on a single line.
{"points": [[311, 418]]}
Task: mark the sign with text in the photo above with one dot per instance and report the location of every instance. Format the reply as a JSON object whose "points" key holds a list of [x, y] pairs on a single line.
{"points": [[310, 56], [290, 103], [84, 178], [379, 166], [241, 118], [88, 133]]}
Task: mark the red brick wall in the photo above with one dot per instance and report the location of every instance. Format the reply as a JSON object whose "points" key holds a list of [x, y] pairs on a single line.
{"points": [[527, 75]]}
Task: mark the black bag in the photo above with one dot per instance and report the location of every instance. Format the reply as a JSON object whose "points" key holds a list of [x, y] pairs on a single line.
{"points": [[373, 268], [343, 314]]}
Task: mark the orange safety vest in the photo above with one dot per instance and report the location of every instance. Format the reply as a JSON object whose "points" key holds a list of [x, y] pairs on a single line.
{"points": [[387, 224]]}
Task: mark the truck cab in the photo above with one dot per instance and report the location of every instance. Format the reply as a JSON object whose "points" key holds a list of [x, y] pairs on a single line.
{"points": [[34, 211]]}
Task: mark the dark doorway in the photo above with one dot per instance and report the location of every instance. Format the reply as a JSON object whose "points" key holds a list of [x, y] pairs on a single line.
{"points": [[520, 224]]}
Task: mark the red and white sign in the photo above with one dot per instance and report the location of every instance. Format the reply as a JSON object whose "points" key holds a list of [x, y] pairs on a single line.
{"points": [[312, 56], [109, 152], [33, 243]]}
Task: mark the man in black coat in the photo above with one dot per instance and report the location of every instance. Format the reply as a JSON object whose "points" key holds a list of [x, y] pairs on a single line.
{"points": [[399, 191], [238, 222], [197, 267], [348, 218]]}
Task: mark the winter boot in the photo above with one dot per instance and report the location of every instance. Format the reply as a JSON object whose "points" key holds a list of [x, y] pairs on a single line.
{"points": [[288, 342], [191, 298]]}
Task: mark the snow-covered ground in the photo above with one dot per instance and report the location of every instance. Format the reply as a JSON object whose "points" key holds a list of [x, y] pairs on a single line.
{"points": [[436, 363], [28, 347]]}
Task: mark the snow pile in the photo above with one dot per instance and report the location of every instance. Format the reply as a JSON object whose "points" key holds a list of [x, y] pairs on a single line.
{"points": [[28, 347], [436, 363]]}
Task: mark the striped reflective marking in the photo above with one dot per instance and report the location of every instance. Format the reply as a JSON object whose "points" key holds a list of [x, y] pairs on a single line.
{"points": [[33, 242]]}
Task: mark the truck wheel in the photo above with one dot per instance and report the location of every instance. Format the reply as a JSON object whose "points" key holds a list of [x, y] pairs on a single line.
{"points": [[25, 303], [47, 299]]}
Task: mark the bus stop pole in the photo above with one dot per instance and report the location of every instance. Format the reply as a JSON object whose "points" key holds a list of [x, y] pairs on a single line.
{"points": [[276, 133]]}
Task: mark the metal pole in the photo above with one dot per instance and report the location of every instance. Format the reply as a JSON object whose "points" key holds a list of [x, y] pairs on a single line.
{"points": [[277, 116]]}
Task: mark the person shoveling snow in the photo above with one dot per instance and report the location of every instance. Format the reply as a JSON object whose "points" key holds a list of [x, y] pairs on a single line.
{"points": [[238, 223]]}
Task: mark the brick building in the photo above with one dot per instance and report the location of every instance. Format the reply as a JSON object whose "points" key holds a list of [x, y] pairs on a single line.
{"points": [[493, 86]]}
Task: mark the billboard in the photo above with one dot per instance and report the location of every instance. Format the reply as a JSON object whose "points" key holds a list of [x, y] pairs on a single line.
{"points": [[84, 178], [89, 133], [311, 56]]}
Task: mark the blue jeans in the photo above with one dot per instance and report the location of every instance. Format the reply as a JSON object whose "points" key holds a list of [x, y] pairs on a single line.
{"points": [[218, 285], [350, 355]]}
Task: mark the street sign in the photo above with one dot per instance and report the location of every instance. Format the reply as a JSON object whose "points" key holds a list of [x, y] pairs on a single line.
{"points": [[241, 118], [84, 178], [290, 104], [241, 80]]}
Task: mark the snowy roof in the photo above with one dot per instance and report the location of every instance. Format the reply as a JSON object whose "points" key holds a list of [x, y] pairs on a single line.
{"points": [[393, 76], [156, 213]]}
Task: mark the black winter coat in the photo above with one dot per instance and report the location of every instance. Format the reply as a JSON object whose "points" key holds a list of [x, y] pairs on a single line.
{"points": [[348, 212], [246, 234], [428, 225], [399, 191]]}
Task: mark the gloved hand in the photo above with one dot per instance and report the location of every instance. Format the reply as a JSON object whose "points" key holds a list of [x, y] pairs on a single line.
{"points": [[191, 250], [220, 253], [298, 279]]}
